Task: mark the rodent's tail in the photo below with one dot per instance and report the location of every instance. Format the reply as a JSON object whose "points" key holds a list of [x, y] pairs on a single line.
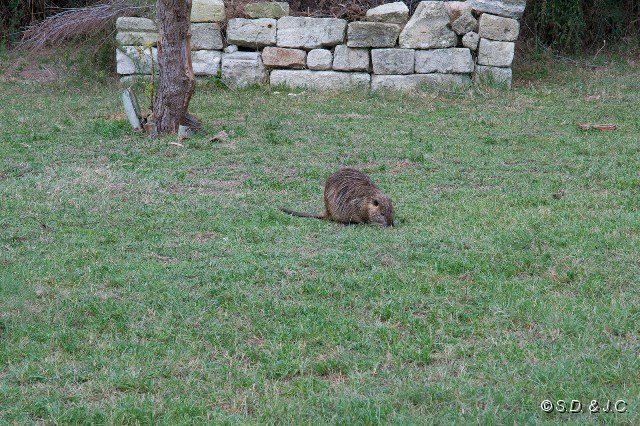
{"points": [[299, 214]]}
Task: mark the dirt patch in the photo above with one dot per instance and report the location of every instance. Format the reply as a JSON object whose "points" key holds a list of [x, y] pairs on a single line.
{"points": [[31, 69], [352, 116], [203, 171], [206, 187], [239, 118], [256, 341], [480, 187], [387, 260], [444, 188], [284, 172], [113, 116], [108, 294], [335, 379], [39, 75], [166, 259], [398, 166], [33, 308], [205, 236]]}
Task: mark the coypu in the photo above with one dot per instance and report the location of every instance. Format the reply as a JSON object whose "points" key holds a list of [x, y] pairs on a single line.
{"points": [[351, 197]]}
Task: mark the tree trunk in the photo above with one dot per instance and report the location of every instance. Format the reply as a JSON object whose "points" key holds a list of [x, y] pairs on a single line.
{"points": [[177, 81]]}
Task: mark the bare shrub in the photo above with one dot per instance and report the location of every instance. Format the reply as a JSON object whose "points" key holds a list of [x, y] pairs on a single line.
{"points": [[71, 23]]}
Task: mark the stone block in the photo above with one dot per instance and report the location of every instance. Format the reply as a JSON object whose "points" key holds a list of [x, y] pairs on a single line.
{"points": [[498, 28], [393, 13], [495, 53], [130, 38], [320, 80], [266, 9], [253, 33], [456, 60], [206, 36], [464, 23], [508, 8], [319, 59], [240, 69], [393, 61], [416, 81], [283, 57], [428, 28], [457, 8], [493, 75], [129, 23], [350, 59], [471, 40], [207, 11], [372, 34], [135, 60], [206, 62], [310, 33]]}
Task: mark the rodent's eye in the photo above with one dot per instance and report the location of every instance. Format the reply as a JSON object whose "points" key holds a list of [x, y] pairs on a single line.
{"points": [[376, 203]]}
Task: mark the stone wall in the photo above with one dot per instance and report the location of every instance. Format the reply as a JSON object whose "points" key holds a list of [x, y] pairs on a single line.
{"points": [[442, 43]]}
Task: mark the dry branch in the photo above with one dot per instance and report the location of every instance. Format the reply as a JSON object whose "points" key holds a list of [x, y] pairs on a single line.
{"points": [[56, 29]]}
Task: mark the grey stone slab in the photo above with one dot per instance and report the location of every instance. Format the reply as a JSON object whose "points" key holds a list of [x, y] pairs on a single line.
{"points": [[428, 28], [320, 80], [456, 60], [393, 61], [350, 59], [253, 33], [310, 33], [495, 53], [417, 81]]}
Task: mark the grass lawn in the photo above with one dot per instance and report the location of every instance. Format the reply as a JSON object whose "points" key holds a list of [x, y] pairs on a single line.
{"points": [[143, 282]]}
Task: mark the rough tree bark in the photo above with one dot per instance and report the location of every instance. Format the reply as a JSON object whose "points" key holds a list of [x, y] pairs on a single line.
{"points": [[176, 82]]}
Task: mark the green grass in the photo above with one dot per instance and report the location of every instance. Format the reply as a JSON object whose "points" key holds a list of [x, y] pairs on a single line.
{"points": [[143, 282]]}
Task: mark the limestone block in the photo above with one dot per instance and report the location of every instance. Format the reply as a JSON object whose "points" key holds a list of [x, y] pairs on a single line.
{"points": [[456, 60], [393, 61], [240, 69], [310, 33], [464, 23], [206, 62], [252, 32], [129, 23], [207, 11], [416, 81], [350, 59], [497, 28], [206, 36], [130, 38], [471, 40], [136, 31], [282, 57], [267, 9], [372, 34], [428, 28], [320, 80], [493, 75], [319, 59], [495, 53], [135, 60], [231, 48], [457, 8], [508, 8], [394, 13]]}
